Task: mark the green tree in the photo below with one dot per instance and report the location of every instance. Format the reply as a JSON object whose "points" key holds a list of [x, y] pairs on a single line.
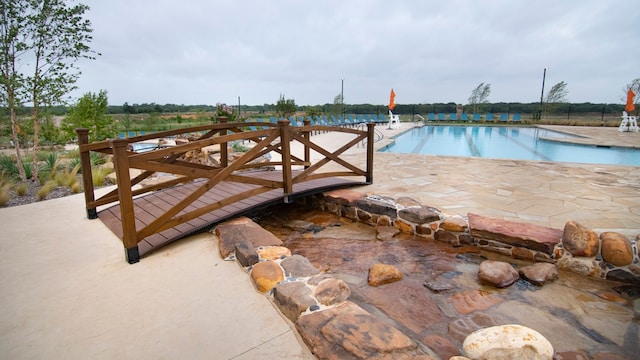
{"points": [[556, 96], [479, 95], [41, 42], [285, 107], [90, 112]]}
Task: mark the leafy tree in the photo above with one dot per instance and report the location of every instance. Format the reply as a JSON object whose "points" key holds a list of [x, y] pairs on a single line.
{"points": [[41, 42], [558, 93], [556, 96], [90, 112], [313, 110], [285, 107], [479, 95]]}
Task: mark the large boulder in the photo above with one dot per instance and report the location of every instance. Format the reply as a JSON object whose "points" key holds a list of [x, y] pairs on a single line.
{"points": [[380, 274], [539, 273], [497, 273], [266, 275], [579, 240], [616, 248], [507, 342]]}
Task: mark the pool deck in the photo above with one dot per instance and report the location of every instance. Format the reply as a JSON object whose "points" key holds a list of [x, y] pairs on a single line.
{"points": [[68, 296]]}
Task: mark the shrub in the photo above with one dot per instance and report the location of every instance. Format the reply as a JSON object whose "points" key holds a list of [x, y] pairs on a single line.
{"points": [[99, 175], [76, 188], [45, 190], [21, 189], [8, 167], [5, 192]]}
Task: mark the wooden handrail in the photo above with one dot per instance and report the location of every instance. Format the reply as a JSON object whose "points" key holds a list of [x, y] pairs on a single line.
{"points": [[268, 138]]}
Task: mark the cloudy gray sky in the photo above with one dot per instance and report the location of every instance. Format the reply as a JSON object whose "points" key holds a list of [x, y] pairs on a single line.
{"points": [[204, 51]]}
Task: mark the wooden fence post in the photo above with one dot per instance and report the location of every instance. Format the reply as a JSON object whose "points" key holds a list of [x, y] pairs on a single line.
{"points": [[307, 151], [224, 154], [286, 158], [87, 177], [127, 215], [370, 141]]}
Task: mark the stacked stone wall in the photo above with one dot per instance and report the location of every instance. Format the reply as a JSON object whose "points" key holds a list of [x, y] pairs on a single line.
{"points": [[610, 255]]}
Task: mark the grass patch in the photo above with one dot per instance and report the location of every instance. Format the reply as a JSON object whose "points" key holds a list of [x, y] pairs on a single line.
{"points": [[5, 192], [99, 175], [21, 189]]}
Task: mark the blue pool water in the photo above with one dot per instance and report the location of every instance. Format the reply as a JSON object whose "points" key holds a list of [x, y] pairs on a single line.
{"points": [[501, 142]]}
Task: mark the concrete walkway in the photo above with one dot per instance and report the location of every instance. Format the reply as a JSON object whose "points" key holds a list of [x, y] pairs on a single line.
{"points": [[67, 292]]}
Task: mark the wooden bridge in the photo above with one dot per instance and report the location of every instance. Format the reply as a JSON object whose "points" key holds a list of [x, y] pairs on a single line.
{"points": [[196, 194]]}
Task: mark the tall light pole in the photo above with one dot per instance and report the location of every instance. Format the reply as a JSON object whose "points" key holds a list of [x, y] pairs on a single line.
{"points": [[544, 75]]}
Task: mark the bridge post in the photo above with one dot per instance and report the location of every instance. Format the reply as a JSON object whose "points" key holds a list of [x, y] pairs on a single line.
{"points": [[370, 141], [125, 196], [224, 154], [87, 178], [307, 151], [286, 158]]}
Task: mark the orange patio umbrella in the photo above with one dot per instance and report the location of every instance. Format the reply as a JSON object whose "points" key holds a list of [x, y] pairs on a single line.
{"points": [[392, 99], [630, 96]]}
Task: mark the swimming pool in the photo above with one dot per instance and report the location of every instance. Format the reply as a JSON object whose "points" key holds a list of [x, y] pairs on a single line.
{"points": [[503, 142]]}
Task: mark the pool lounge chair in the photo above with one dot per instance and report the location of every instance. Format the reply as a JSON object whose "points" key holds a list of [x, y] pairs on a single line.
{"points": [[453, 117], [504, 117], [476, 117], [431, 117], [464, 117], [516, 118], [488, 117], [441, 117]]}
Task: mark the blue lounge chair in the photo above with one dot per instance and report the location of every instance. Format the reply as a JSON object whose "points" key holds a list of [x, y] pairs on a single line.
{"points": [[464, 117], [516, 118], [350, 117], [476, 117], [453, 117], [504, 117], [441, 117], [488, 118], [431, 117]]}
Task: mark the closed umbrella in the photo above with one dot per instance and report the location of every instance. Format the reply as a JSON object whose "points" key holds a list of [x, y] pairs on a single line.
{"points": [[392, 99], [630, 106]]}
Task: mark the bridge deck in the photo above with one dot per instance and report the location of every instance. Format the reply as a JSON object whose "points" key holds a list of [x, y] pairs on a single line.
{"points": [[149, 207]]}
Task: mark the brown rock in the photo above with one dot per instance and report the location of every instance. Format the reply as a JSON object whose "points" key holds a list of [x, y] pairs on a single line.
{"points": [[406, 202], [522, 253], [454, 223], [497, 273], [419, 215], [273, 252], [441, 346], [246, 254], [385, 233], [473, 300], [447, 237], [332, 291], [349, 332], [404, 226], [616, 248], [298, 266], [422, 229], [233, 231], [539, 273], [317, 279], [266, 275], [579, 241], [526, 235], [380, 274], [293, 298], [344, 196], [459, 329]]}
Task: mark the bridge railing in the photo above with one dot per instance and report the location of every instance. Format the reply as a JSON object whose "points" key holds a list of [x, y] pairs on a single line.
{"points": [[266, 139]]}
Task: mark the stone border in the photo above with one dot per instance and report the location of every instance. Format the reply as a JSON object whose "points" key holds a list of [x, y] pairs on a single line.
{"points": [[608, 256]]}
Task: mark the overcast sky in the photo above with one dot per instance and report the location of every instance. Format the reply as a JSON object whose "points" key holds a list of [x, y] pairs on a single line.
{"points": [[204, 52]]}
